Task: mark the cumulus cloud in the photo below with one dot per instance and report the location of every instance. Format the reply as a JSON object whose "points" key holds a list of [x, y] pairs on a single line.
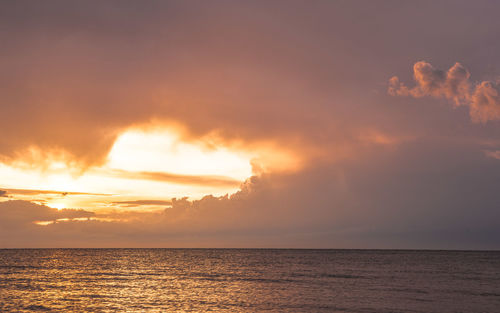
{"points": [[453, 84], [485, 102], [405, 197], [15, 213], [482, 98]]}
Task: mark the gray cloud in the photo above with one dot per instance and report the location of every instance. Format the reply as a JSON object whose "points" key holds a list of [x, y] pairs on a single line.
{"points": [[3, 193]]}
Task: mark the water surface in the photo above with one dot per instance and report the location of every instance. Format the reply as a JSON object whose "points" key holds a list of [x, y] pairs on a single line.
{"points": [[248, 280]]}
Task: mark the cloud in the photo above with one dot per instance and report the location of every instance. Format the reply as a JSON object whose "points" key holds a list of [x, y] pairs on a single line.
{"points": [[492, 154], [180, 72], [50, 192], [134, 203], [430, 81], [485, 102], [298, 76], [16, 213], [94, 87], [209, 180], [3, 193], [406, 197], [482, 98], [86, 85]]}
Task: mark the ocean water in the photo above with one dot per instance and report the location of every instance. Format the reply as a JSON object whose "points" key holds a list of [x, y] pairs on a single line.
{"points": [[248, 280]]}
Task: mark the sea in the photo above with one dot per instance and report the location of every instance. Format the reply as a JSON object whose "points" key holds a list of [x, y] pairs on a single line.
{"points": [[248, 280]]}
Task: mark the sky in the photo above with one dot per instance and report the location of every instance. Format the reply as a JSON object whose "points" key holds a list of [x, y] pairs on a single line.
{"points": [[275, 124]]}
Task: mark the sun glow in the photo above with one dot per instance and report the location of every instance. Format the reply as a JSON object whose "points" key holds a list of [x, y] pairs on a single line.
{"points": [[56, 205], [153, 165], [163, 151]]}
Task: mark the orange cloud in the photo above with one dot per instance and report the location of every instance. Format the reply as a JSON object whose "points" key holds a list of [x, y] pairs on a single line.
{"points": [[492, 154], [485, 102], [209, 180], [132, 203], [18, 212], [50, 192], [482, 98]]}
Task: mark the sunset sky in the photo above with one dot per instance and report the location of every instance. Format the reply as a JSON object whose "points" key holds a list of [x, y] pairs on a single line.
{"points": [[312, 124]]}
